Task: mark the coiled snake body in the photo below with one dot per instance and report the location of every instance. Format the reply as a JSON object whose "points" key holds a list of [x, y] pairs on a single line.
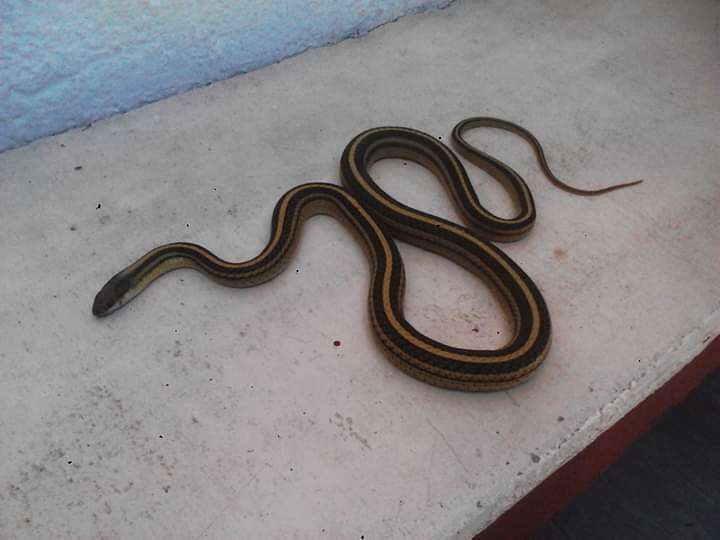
{"points": [[376, 218]]}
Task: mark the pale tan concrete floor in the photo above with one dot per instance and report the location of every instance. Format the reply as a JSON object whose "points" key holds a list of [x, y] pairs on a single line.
{"points": [[204, 412]]}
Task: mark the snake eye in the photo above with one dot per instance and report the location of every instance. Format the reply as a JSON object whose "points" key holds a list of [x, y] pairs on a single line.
{"points": [[122, 285]]}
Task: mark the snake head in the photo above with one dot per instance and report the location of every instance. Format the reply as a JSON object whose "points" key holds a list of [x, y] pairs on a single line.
{"points": [[114, 294]]}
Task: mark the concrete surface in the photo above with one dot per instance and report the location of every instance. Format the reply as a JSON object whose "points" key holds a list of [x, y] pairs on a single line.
{"points": [[204, 412], [69, 63], [628, 501]]}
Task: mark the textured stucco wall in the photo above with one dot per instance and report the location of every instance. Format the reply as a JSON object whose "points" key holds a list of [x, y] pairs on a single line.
{"points": [[69, 62]]}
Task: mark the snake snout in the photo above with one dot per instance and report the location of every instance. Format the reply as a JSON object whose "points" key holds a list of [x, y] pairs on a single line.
{"points": [[112, 295]]}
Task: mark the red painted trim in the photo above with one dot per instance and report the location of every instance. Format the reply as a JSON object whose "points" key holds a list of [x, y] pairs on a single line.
{"points": [[557, 490]]}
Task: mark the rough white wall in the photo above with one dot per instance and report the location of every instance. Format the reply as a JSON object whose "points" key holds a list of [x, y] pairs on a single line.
{"points": [[69, 62]]}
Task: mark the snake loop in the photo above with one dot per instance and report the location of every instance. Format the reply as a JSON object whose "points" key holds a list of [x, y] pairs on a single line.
{"points": [[376, 218]]}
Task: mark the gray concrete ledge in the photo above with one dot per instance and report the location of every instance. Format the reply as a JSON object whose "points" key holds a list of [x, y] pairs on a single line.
{"points": [[204, 412]]}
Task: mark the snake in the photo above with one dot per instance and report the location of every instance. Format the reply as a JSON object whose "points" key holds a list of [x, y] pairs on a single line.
{"points": [[377, 219]]}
